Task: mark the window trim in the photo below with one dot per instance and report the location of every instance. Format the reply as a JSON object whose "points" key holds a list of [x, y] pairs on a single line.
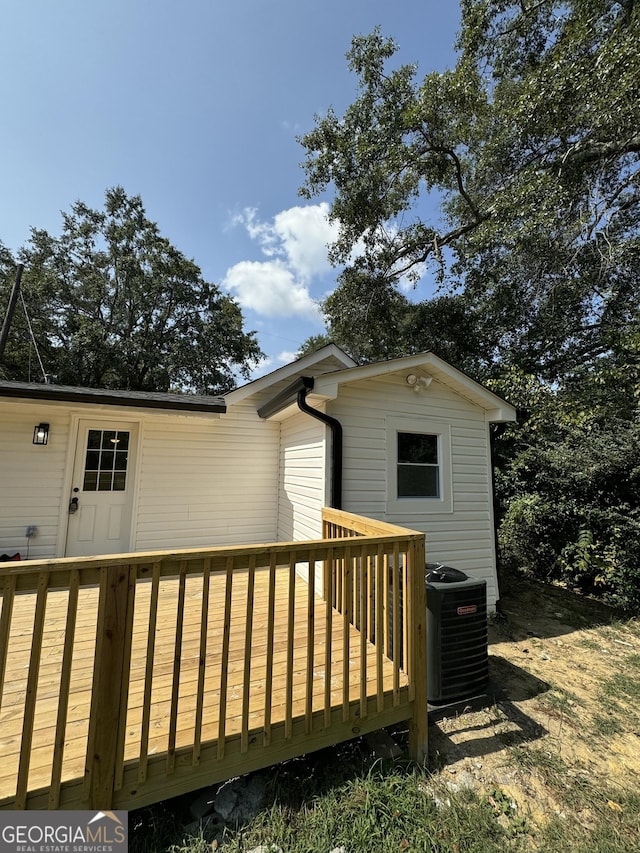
{"points": [[415, 506]]}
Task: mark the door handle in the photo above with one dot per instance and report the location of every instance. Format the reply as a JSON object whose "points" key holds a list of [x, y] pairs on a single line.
{"points": [[73, 506]]}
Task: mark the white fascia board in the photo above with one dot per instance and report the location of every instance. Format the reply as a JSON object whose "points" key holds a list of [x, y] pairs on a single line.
{"points": [[501, 414], [324, 388]]}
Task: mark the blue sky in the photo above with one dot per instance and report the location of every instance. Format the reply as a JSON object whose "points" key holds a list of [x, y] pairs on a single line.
{"points": [[195, 106]]}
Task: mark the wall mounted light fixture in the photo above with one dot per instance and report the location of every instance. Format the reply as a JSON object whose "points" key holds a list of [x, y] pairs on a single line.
{"points": [[418, 383], [41, 434]]}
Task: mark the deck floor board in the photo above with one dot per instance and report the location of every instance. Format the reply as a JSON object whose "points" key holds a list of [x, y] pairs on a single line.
{"points": [[13, 697]]}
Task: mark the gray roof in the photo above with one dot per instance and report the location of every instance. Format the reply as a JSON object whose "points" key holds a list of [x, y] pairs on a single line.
{"points": [[108, 397]]}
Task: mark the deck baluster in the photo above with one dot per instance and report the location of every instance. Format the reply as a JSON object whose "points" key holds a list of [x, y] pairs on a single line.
{"points": [[291, 632], [268, 678], [32, 686], [347, 618], [246, 669], [224, 663], [202, 662], [148, 673], [311, 637], [169, 701], [63, 693]]}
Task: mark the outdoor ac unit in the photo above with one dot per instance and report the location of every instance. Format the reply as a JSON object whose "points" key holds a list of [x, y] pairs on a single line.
{"points": [[457, 656]]}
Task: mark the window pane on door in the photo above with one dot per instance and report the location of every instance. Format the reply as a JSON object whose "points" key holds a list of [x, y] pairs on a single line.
{"points": [[107, 453]]}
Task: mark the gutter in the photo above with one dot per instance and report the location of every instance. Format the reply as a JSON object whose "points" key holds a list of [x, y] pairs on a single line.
{"points": [[336, 445], [297, 392]]}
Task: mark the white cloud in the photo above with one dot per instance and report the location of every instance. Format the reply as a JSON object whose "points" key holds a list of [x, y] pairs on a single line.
{"points": [[292, 127], [305, 234], [299, 237], [296, 244], [286, 357], [269, 288]]}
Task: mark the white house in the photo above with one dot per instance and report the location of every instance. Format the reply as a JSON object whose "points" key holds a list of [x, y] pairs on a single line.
{"points": [[405, 441]]}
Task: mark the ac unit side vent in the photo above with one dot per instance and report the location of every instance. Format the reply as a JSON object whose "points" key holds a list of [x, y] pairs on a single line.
{"points": [[457, 639]]}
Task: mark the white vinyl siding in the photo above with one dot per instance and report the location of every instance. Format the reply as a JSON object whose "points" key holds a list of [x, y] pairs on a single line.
{"points": [[207, 482], [32, 479], [368, 409], [302, 491], [201, 481]]}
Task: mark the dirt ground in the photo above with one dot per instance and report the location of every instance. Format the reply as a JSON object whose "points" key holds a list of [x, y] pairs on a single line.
{"points": [[555, 743], [565, 715]]}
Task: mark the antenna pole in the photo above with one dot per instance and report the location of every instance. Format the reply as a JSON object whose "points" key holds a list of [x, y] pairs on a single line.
{"points": [[13, 299]]}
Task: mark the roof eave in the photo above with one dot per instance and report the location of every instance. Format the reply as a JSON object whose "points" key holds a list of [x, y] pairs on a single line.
{"points": [[103, 397]]}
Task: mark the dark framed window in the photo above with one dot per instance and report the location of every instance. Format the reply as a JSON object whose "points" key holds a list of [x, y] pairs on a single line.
{"points": [[418, 465]]}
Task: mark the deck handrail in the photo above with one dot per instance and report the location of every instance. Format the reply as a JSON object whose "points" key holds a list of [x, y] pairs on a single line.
{"points": [[371, 578]]}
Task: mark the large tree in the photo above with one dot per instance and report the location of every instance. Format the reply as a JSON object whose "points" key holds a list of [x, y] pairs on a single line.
{"points": [[115, 305], [516, 177], [532, 143], [568, 479]]}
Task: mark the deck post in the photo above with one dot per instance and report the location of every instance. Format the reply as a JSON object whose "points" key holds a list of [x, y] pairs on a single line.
{"points": [[418, 725], [110, 682]]}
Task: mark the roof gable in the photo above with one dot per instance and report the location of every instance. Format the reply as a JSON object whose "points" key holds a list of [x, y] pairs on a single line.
{"points": [[326, 360], [324, 384], [326, 387]]}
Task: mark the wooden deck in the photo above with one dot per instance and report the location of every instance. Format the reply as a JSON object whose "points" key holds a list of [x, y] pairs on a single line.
{"points": [[229, 663]]}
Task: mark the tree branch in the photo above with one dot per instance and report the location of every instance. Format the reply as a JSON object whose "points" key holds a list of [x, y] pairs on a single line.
{"points": [[525, 12], [585, 151], [434, 247], [451, 154]]}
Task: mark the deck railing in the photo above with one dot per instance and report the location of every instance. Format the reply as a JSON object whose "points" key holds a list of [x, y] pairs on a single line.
{"points": [[131, 678]]}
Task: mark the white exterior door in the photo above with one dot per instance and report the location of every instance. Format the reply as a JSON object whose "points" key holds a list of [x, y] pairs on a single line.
{"points": [[101, 498]]}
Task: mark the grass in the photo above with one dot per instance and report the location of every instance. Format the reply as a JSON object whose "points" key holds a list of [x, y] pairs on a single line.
{"points": [[606, 725], [626, 684], [343, 799], [593, 819], [384, 809], [560, 704], [619, 699], [589, 643]]}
